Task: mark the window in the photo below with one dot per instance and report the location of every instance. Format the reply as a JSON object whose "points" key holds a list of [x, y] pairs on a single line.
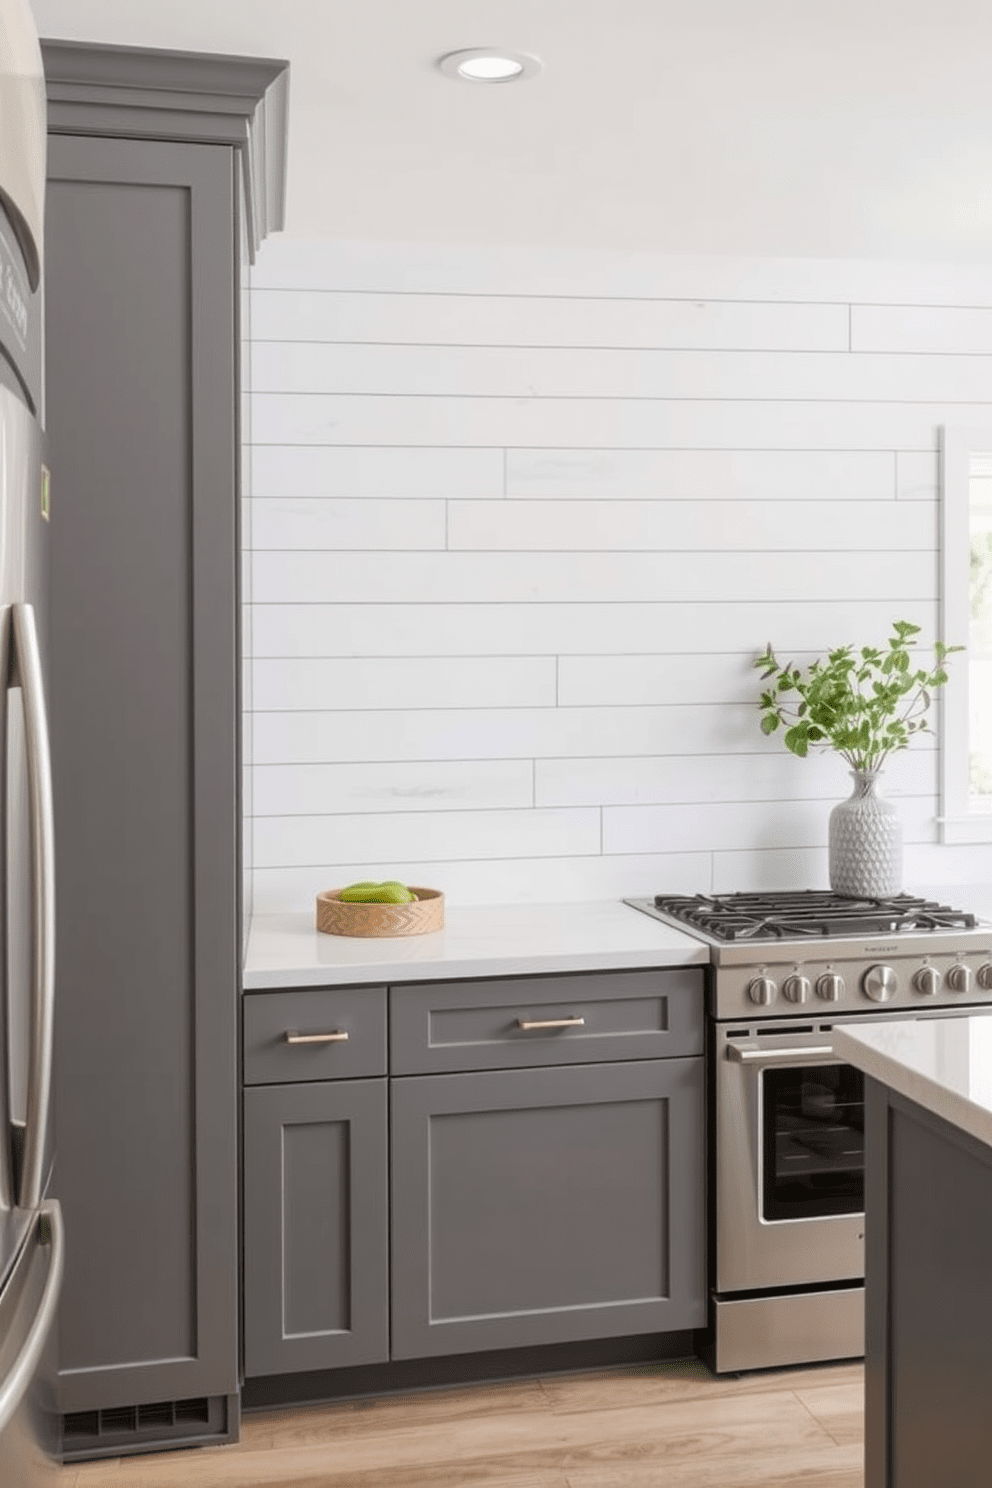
{"points": [[966, 620]]}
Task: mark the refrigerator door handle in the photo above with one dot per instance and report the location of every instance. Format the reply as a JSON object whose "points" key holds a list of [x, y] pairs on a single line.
{"points": [[7, 1196], [21, 1373], [27, 661]]}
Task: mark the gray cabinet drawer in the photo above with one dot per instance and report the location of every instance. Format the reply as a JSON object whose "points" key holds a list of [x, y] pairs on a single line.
{"points": [[272, 1019], [591, 1018]]}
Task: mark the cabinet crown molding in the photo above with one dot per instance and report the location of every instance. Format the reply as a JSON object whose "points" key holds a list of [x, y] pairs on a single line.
{"points": [[196, 97]]}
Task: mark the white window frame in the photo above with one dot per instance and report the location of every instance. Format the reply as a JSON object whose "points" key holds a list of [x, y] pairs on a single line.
{"points": [[958, 821]]}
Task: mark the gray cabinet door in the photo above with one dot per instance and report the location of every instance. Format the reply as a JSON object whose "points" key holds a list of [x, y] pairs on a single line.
{"points": [[316, 1228], [548, 1205], [141, 397]]}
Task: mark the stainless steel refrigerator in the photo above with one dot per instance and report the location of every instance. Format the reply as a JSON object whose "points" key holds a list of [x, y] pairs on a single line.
{"points": [[31, 1243]]}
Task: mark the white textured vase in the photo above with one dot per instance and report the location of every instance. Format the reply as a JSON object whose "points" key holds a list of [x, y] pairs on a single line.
{"points": [[865, 842]]}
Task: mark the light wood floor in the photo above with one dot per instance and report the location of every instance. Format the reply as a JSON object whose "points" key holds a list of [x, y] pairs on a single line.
{"points": [[661, 1426]]}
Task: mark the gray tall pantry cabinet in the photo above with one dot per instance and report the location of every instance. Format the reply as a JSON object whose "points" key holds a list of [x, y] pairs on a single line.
{"points": [[161, 176]]}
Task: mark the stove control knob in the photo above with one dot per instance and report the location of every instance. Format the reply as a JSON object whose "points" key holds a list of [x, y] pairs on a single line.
{"points": [[959, 978], [796, 988], [880, 984], [927, 981], [985, 976], [830, 987], [762, 990]]}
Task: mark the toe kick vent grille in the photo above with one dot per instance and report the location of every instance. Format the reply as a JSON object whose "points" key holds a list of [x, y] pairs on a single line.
{"points": [[116, 1430]]}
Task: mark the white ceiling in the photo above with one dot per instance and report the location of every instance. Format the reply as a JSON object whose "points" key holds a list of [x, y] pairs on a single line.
{"points": [[853, 128]]}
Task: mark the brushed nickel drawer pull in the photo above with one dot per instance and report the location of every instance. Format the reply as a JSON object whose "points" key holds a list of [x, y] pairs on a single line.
{"points": [[339, 1036], [529, 1023]]}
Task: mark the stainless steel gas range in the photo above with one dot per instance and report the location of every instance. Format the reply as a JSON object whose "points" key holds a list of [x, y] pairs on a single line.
{"points": [[787, 1118]]}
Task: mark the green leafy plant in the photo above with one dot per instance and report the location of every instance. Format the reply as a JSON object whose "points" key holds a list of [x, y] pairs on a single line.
{"points": [[864, 704]]}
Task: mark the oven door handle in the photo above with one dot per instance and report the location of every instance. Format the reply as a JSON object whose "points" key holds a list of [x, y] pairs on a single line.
{"points": [[808, 1054]]}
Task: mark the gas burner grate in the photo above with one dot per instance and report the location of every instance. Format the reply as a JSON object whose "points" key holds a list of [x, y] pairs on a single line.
{"points": [[809, 913]]}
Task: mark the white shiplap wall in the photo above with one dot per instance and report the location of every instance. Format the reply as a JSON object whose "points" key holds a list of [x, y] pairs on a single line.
{"points": [[520, 522]]}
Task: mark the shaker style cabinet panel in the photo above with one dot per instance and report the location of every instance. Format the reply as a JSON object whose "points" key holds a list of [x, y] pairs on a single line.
{"points": [[141, 388], [162, 178], [322, 1033], [316, 1228], [546, 1205], [165, 172], [521, 1022]]}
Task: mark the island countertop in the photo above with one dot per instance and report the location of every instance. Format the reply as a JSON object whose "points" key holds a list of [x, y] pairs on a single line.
{"points": [[943, 1064], [285, 950]]}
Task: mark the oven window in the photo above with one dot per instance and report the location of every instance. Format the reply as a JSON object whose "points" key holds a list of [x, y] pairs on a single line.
{"points": [[814, 1144]]}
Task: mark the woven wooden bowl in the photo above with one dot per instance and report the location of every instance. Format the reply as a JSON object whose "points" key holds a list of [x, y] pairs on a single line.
{"points": [[424, 914]]}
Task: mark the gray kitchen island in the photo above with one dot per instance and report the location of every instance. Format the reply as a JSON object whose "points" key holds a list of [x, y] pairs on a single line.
{"points": [[928, 1277]]}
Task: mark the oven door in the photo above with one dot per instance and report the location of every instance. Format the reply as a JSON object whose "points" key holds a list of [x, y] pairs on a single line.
{"points": [[789, 1159]]}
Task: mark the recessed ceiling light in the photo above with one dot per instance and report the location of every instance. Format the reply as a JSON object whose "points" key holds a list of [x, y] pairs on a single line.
{"points": [[489, 65]]}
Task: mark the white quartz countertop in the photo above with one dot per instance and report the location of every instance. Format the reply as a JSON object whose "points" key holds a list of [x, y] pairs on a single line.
{"points": [[944, 1064], [284, 950]]}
